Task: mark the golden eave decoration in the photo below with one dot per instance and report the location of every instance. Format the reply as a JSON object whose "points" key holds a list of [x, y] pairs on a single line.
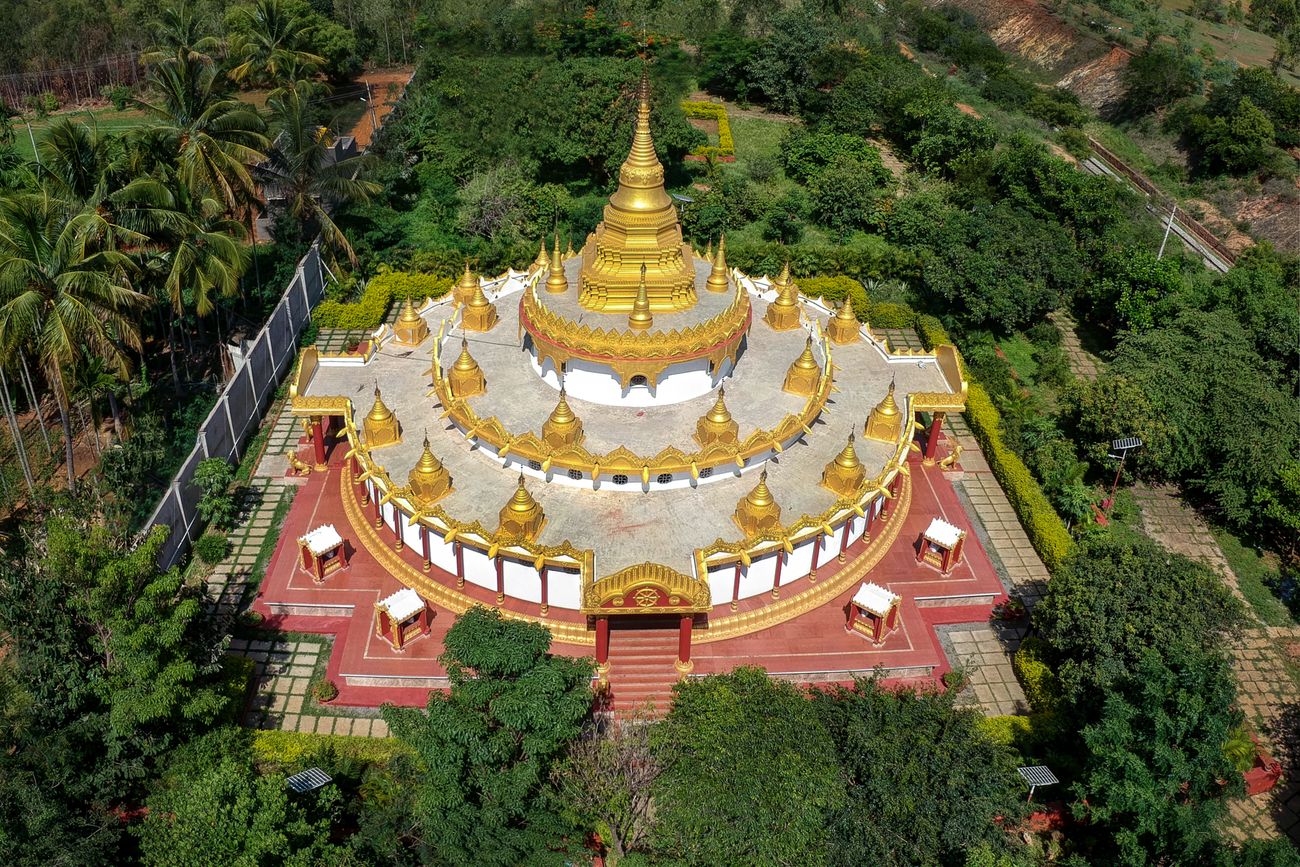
{"points": [[381, 426], [646, 588], [758, 512]]}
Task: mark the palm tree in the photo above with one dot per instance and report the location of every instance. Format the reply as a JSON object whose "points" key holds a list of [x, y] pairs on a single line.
{"points": [[181, 33], [303, 174], [77, 163], [214, 137], [64, 293], [267, 43]]}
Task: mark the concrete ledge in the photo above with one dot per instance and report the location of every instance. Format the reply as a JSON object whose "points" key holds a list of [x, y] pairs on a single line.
{"points": [[293, 609], [954, 601]]}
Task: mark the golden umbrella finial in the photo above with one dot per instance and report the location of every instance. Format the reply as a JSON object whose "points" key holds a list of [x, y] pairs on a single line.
{"points": [[717, 425], [845, 473], [556, 284], [717, 281], [466, 377], [641, 318]]}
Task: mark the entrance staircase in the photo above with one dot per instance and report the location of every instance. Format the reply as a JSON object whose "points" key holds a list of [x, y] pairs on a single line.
{"points": [[641, 671]]}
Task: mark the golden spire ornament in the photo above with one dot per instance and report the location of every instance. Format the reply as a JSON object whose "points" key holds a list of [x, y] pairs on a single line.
{"points": [[717, 281], [885, 424], [429, 480], [845, 473], [542, 261], [757, 512], [380, 425], [803, 375], [717, 425], [556, 284], [463, 291], [522, 517], [708, 251], [641, 318], [563, 427], [410, 328], [479, 313], [466, 377], [783, 313], [843, 327]]}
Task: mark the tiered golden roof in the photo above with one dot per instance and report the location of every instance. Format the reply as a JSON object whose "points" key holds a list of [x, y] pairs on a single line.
{"points": [[480, 314], [803, 375], [410, 328], [717, 281], [463, 291], [429, 480], [757, 512], [563, 427], [639, 229], [717, 425], [783, 313], [522, 517], [466, 377], [381, 425], [640, 319], [843, 327], [885, 424], [844, 474], [556, 283]]}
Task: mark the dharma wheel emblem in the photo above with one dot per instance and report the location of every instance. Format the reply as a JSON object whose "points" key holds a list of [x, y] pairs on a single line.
{"points": [[645, 597]]}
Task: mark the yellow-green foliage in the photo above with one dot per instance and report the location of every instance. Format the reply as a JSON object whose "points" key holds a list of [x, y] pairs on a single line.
{"points": [[726, 144], [1046, 532], [1024, 734], [833, 290], [370, 309], [1037, 678], [890, 315], [281, 749], [931, 331], [236, 675]]}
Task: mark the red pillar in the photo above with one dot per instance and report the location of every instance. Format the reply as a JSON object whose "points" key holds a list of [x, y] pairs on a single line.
{"points": [[932, 439], [424, 541], [684, 641], [397, 527], [776, 577], [602, 640], [356, 468], [343, 555], [318, 441], [546, 606], [844, 539], [379, 512], [460, 563]]}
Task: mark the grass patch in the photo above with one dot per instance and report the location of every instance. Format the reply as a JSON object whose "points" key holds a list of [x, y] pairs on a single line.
{"points": [[258, 571], [1256, 577], [1020, 354], [757, 138], [105, 120]]}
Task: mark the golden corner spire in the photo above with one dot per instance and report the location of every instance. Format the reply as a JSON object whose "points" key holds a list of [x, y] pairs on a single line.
{"points": [[522, 516], [758, 512], [845, 473], [556, 284], [410, 329], [717, 281], [717, 425], [803, 375], [429, 480], [843, 327], [640, 318], [464, 290], [479, 314], [783, 313], [886, 422], [466, 377], [542, 261], [563, 427], [380, 424]]}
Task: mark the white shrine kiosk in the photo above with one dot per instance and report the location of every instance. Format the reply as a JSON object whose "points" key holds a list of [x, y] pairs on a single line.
{"points": [[401, 618], [941, 545], [873, 612], [323, 552]]}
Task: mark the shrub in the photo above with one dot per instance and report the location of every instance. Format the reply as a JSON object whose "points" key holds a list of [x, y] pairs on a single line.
{"points": [[213, 477], [212, 547], [715, 111], [1024, 734], [890, 316], [1046, 532], [118, 95], [833, 290], [236, 676], [281, 749], [931, 332], [369, 310], [324, 690], [1036, 676], [44, 104]]}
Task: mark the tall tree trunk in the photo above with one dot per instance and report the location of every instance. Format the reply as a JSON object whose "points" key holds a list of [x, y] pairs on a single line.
{"points": [[65, 418], [116, 409], [35, 404], [17, 432]]}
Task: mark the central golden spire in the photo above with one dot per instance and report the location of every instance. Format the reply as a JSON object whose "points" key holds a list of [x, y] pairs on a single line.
{"points": [[640, 228]]}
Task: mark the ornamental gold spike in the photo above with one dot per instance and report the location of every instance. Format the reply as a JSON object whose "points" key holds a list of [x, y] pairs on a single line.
{"points": [[556, 284], [717, 281], [641, 318]]}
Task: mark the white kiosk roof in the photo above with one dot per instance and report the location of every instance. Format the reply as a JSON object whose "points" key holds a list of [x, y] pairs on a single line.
{"points": [[943, 533], [402, 604], [874, 598], [322, 540]]}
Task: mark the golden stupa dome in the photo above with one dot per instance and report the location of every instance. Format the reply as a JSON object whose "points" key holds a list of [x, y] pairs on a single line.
{"points": [[758, 511], [466, 377], [429, 480], [542, 260], [556, 283], [844, 474], [522, 516], [379, 410], [380, 424], [717, 281], [563, 427], [410, 328], [885, 423], [717, 424], [803, 375], [843, 327]]}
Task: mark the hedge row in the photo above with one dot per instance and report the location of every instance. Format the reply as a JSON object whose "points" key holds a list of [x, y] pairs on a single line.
{"points": [[1027, 735], [283, 749], [711, 110], [1043, 526], [1036, 676], [864, 256], [369, 310]]}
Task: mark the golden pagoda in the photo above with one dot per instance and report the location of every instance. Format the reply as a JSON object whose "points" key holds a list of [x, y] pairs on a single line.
{"points": [[639, 228], [542, 261], [885, 424], [522, 517], [758, 512], [429, 480], [381, 425], [556, 283], [844, 474], [463, 291], [466, 377], [843, 327], [783, 313], [717, 281], [563, 427], [410, 328], [640, 319], [717, 425], [803, 375], [480, 314]]}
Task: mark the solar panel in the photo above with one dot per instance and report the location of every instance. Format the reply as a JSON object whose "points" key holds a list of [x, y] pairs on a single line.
{"points": [[1037, 776], [1123, 445], [308, 780]]}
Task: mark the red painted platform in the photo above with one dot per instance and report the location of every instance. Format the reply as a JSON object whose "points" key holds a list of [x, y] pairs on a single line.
{"points": [[814, 647]]}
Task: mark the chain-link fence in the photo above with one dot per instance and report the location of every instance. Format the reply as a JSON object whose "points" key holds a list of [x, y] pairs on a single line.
{"points": [[242, 404]]}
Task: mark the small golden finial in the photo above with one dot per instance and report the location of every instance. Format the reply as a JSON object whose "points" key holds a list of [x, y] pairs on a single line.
{"points": [[641, 318], [708, 251], [556, 284], [717, 281], [466, 377], [886, 421], [843, 327], [542, 260]]}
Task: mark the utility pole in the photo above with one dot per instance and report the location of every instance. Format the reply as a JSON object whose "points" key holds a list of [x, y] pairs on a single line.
{"points": [[1168, 228]]}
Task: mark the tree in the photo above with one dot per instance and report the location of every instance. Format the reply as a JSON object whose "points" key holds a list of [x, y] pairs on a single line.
{"points": [[269, 40], [924, 785], [1111, 407], [489, 745], [749, 773], [64, 295], [303, 173], [1151, 780], [1238, 143], [229, 814], [846, 197], [804, 155], [1132, 284], [1114, 599], [217, 506], [781, 69], [1158, 75], [1279, 506]]}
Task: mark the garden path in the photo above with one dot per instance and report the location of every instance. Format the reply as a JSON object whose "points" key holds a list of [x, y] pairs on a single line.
{"points": [[1083, 363]]}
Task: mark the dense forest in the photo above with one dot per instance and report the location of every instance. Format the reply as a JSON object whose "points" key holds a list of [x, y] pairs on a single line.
{"points": [[125, 260]]}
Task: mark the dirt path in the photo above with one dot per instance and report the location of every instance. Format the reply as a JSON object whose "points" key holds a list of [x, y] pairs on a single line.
{"points": [[385, 86], [1083, 363]]}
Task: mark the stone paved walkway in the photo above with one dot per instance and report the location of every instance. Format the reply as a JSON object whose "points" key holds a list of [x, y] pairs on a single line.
{"points": [[1178, 527], [1083, 363]]}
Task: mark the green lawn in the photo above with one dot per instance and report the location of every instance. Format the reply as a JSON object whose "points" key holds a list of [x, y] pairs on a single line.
{"points": [[755, 138], [1255, 577], [103, 119]]}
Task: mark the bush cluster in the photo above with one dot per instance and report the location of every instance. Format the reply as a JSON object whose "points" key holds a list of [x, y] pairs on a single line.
{"points": [[1036, 676], [726, 146], [284, 749], [212, 547], [369, 310]]}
